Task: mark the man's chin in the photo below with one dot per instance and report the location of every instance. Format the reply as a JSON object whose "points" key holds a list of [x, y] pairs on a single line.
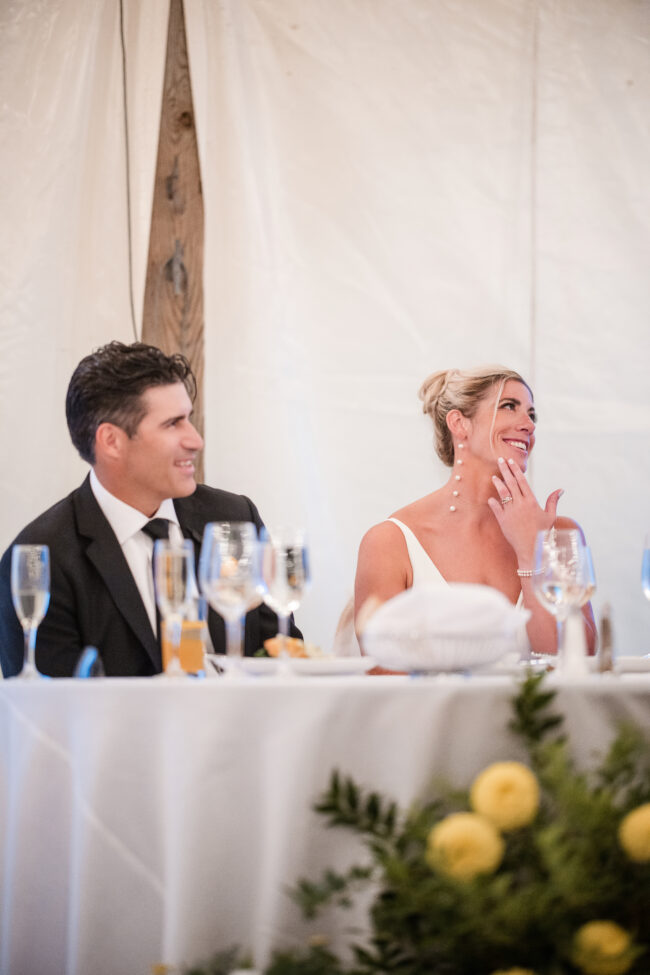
{"points": [[186, 489]]}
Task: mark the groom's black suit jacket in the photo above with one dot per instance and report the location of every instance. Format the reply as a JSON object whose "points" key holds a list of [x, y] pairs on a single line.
{"points": [[94, 598]]}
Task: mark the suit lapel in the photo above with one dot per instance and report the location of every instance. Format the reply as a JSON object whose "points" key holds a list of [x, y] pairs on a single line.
{"points": [[105, 553], [192, 529]]}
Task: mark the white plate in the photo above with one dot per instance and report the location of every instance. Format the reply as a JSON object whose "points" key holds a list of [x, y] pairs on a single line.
{"points": [[255, 666], [309, 666], [632, 665], [332, 666]]}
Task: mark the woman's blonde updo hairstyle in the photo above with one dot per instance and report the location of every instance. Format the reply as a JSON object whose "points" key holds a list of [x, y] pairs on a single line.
{"points": [[453, 389]]}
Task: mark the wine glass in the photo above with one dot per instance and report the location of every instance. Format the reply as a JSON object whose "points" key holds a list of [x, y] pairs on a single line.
{"points": [[590, 575], [562, 584], [645, 568], [286, 575], [176, 593], [229, 575], [30, 593]]}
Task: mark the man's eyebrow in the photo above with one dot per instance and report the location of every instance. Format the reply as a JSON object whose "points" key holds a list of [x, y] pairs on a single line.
{"points": [[174, 419]]}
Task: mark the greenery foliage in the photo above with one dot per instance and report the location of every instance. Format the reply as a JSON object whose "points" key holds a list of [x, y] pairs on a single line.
{"points": [[559, 872], [223, 963], [570, 892]]}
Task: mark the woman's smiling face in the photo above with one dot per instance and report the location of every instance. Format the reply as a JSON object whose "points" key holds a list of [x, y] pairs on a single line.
{"points": [[505, 428]]}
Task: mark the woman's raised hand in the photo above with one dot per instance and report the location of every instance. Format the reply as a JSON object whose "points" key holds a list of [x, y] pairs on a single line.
{"points": [[518, 512]]}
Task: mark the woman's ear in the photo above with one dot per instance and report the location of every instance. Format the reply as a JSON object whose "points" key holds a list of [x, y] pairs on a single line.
{"points": [[457, 423]]}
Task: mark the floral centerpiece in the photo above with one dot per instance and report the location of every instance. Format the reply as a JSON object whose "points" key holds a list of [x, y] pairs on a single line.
{"points": [[538, 869]]}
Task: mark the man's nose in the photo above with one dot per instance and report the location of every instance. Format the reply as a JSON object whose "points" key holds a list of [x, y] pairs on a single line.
{"points": [[193, 440]]}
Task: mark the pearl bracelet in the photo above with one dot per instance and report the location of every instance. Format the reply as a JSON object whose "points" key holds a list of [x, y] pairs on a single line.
{"points": [[525, 573]]}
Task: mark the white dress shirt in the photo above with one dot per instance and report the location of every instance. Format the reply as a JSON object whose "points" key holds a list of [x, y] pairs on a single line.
{"points": [[127, 523]]}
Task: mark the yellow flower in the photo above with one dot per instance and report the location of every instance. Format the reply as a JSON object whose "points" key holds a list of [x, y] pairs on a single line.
{"points": [[463, 845], [603, 948], [514, 971], [506, 793], [634, 834]]}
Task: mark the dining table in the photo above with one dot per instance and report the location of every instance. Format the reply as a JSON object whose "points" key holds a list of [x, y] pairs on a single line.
{"points": [[160, 820]]}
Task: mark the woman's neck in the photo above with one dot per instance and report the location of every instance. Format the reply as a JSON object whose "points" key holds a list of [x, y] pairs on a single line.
{"points": [[470, 485]]}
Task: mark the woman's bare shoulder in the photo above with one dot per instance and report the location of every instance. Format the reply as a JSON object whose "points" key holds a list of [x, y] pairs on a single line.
{"points": [[421, 510], [382, 535], [383, 566], [386, 536]]}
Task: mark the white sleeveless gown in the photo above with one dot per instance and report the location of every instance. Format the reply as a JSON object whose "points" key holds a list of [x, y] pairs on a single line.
{"points": [[424, 571]]}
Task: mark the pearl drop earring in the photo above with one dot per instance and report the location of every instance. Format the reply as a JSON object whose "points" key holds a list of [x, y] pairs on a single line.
{"points": [[452, 507]]}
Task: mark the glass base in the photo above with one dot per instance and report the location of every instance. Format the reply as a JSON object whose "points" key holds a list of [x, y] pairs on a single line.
{"points": [[29, 672], [174, 668]]}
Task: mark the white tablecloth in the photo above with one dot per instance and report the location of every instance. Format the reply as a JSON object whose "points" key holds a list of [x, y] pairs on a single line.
{"points": [[155, 820]]}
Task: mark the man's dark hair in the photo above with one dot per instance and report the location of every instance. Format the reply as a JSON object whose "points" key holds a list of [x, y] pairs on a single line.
{"points": [[107, 387]]}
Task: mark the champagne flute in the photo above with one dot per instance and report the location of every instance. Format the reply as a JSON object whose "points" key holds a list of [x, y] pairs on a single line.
{"points": [[30, 593], [561, 584], [645, 568], [229, 575], [286, 575], [176, 593]]}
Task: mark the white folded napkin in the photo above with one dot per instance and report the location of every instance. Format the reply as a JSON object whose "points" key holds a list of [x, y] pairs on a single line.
{"points": [[434, 627]]}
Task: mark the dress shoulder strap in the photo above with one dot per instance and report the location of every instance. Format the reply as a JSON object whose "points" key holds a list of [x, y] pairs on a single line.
{"points": [[424, 568]]}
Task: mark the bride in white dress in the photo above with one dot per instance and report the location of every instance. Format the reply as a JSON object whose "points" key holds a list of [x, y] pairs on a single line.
{"points": [[481, 525]]}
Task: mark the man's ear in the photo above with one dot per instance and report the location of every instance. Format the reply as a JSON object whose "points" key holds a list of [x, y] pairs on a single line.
{"points": [[108, 441], [458, 424]]}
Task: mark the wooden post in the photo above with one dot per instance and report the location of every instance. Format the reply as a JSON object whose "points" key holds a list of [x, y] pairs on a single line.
{"points": [[173, 300]]}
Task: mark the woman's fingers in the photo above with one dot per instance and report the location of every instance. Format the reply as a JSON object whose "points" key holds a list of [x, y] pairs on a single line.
{"points": [[502, 490], [551, 503], [509, 479], [514, 476]]}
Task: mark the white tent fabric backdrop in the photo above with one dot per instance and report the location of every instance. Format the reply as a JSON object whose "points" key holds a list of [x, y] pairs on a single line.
{"points": [[390, 188]]}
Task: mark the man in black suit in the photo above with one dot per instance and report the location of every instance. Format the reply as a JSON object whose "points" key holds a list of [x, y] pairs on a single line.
{"points": [[129, 413]]}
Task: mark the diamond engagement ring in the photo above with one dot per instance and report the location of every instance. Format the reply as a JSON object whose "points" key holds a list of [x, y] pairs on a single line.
{"points": [[505, 500]]}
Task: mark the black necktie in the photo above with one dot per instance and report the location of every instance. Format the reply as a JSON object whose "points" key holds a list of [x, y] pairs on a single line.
{"points": [[156, 528]]}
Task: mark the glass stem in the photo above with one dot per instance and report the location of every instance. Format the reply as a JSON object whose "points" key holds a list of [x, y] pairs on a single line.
{"points": [[174, 629], [234, 634], [572, 652], [29, 665], [283, 633]]}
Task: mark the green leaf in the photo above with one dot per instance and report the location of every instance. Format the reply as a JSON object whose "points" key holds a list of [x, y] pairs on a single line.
{"points": [[533, 720], [313, 960]]}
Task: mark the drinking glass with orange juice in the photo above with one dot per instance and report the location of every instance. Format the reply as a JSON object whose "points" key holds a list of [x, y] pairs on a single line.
{"points": [[176, 595]]}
